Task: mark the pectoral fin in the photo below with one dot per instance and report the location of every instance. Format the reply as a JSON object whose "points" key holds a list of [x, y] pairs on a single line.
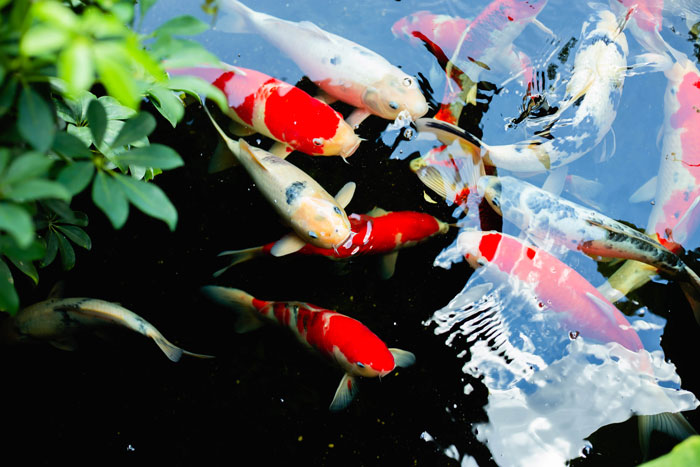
{"points": [[387, 265], [377, 212], [290, 243], [248, 149], [402, 358], [356, 117], [280, 150], [239, 129], [222, 158], [345, 194], [645, 192], [347, 389]]}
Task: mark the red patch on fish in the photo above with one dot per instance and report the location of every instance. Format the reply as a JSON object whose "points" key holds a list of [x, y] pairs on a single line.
{"points": [[489, 245]]}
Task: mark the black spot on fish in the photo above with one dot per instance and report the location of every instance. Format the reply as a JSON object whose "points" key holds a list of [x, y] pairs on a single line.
{"points": [[335, 60], [293, 191]]}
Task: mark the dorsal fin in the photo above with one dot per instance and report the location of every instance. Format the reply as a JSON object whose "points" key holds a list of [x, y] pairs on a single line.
{"points": [[629, 233], [247, 148]]}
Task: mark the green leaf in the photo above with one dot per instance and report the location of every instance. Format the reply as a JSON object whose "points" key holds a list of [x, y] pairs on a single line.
{"points": [[149, 198], [63, 211], [42, 39], [683, 454], [167, 103], [76, 235], [27, 267], [76, 66], [107, 194], [182, 52], [37, 188], [51, 249], [7, 95], [34, 251], [185, 25], [27, 166], [4, 159], [70, 146], [199, 88], [155, 155], [97, 121], [83, 133], [35, 120], [134, 129], [116, 111], [9, 300], [67, 252], [78, 106], [116, 76], [18, 223], [76, 176], [56, 14]]}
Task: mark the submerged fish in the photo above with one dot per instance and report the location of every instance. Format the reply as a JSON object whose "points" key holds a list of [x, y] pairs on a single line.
{"points": [[343, 69], [576, 305], [584, 116], [280, 111], [314, 215], [356, 349], [375, 233], [57, 319], [549, 218], [483, 44], [676, 212]]}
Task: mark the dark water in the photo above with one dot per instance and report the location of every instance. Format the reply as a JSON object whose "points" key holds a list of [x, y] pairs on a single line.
{"points": [[265, 397]]}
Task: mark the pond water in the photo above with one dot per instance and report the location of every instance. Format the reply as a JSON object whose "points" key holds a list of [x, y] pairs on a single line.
{"points": [[264, 396]]}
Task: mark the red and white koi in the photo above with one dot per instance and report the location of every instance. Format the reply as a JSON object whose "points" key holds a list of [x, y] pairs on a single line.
{"points": [[555, 286], [315, 216], [475, 46], [346, 341], [57, 319], [280, 111], [375, 233], [645, 22], [676, 212], [548, 219], [584, 116], [343, 69]]}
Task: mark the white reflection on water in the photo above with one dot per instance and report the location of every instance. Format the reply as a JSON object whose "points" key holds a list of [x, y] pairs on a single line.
{"points": [[549, 388]]}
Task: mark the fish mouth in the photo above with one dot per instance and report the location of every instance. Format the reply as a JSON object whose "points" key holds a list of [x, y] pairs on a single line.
{"points": [[348, 151]]}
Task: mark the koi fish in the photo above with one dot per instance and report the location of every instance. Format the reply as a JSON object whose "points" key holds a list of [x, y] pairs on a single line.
{"points": [[676, 214], [280, 111], [314, 215], [344, 340], [549, 218], [57, 319], [343, 69], [592, 94], [581, 307], [483, 44], [375, 233]]}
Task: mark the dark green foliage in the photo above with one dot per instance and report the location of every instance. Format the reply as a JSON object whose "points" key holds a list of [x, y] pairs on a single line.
{"points": [[57, 137]]}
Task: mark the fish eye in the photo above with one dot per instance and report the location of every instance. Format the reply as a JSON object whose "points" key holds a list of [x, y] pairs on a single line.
{"points": [[394, 105], [318, 141], [408, 82], [313, 234], [360, 364], [336, 209]]}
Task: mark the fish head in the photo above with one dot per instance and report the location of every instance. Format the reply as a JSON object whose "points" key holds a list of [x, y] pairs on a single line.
{"points": [[469, 244], [393, 94], [489, 187], [320, 221], [358, 350], [344, 143]]}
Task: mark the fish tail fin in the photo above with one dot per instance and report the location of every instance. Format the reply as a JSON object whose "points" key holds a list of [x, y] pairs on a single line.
{"points": [[235, 18], [247, 316], [347, 389], [239, 256], [673, 424], [173, 352]]}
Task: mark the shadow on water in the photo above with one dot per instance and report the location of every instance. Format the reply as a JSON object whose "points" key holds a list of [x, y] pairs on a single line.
{"points": [[120, 401]]}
